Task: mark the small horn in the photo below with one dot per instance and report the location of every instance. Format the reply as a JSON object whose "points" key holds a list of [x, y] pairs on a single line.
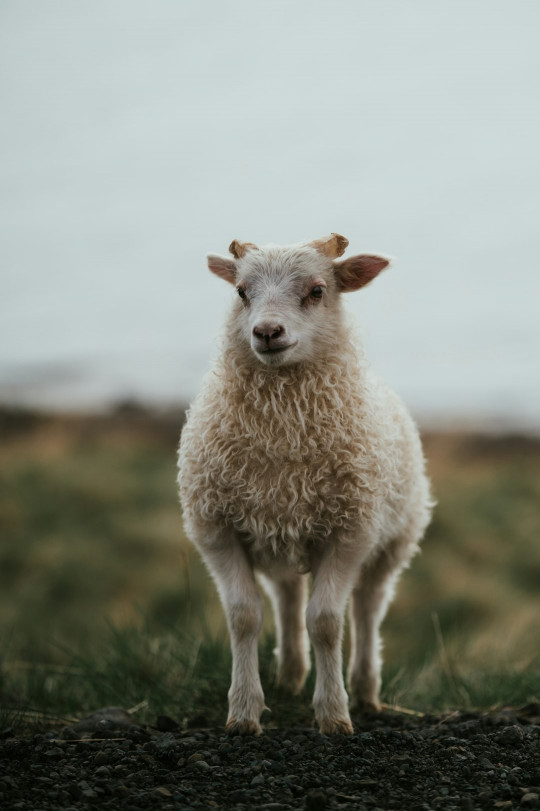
{"points": [[239, 249], [332, 246]]}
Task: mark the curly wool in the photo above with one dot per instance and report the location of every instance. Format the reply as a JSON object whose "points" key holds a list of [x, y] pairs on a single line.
{"points": [[290, 456]]}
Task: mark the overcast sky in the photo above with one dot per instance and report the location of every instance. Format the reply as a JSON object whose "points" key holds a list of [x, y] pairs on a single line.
{"points": [[138, 136]]}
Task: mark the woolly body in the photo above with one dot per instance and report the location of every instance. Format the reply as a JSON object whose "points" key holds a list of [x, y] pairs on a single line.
{"points": [[286, 456]]}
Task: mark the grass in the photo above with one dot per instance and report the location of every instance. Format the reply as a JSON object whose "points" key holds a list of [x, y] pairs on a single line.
{"points": [[103, 601]]}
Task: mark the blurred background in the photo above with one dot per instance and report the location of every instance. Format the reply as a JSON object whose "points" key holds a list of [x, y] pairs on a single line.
{"points": [[138, 136]]}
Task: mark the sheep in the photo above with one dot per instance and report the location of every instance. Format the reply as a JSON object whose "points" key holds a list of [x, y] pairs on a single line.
{"points": [[295, 459]]}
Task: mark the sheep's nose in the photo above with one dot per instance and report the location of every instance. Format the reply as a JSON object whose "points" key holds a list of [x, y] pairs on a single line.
{"points": [[268, 332]]}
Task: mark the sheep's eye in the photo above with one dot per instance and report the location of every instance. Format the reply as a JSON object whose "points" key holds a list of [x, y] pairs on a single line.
{"points": [[241, 292], [316, 292]]}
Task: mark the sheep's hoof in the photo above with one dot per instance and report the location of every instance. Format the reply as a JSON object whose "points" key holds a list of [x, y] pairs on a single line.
{"points": [[336, 726], [362, 705], [291, 682], [245, 727]]}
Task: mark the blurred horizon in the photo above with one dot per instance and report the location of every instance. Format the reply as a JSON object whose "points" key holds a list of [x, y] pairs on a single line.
{"points": [[139, 136]]}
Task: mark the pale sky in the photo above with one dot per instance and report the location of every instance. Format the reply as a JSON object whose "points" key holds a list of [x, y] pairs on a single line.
{"points": [[138, 136]]}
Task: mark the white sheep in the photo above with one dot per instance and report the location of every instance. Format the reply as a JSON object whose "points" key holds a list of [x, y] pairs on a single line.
{"points": [[295, 459]]}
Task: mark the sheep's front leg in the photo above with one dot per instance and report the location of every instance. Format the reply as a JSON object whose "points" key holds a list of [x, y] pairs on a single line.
{"points": [[334, 574], [243, 605]]}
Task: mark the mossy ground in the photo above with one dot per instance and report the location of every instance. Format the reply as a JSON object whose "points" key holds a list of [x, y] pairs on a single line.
{"points": [[103, 601]]}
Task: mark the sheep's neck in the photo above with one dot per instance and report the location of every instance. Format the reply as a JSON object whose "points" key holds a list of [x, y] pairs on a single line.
{"points": [[330, 377]]}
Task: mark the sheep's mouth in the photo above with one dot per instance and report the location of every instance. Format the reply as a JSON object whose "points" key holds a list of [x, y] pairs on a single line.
{"points": [[274, 350]]}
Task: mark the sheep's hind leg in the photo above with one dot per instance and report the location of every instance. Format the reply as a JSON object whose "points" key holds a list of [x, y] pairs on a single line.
{"points": [[288, 594], [370, 599], [243, 605], [334, 574]]}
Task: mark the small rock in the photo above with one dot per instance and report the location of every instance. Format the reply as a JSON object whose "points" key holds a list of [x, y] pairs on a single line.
{"points": [[530, 800], [258, 780], [510, 736], [53, 753], [166, 724], [238, 796], [165, 742], [89, 794], [202, 765], [485, 796], [195, 757], [107, 719], [101, 758], [73, 790], [161, 791], [316, 800]]}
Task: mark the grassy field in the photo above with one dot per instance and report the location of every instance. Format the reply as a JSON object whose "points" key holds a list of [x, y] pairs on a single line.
{"points": [[102, 600]]}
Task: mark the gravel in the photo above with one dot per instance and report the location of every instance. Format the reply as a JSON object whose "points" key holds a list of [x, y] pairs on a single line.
{"points": [[462, 761]]}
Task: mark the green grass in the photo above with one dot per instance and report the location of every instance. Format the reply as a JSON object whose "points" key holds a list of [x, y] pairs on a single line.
{"points": [[103, 601], [163, 672]]}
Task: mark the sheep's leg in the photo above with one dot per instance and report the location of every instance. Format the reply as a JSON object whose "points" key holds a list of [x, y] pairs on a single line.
{"points": [[334, 574], [370, 599], [243, 605], [288, 594]]}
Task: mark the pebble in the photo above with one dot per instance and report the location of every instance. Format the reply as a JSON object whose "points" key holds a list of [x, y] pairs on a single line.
{"points": [[89, 794], [195, 757], [101, 758], [166, 724], [161, 791], [53, 753], [511, 736], [316, 800], [165, 742], [258, 780]]}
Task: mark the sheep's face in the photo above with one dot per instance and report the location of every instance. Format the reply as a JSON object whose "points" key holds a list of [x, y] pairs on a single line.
{"points": [[288, 297]]}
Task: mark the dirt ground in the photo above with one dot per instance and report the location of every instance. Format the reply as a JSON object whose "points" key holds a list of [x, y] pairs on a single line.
{"points": [[393, 761]]}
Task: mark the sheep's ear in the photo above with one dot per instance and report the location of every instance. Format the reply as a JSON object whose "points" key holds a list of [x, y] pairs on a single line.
{"points": [[357, 271], [222, 266]]}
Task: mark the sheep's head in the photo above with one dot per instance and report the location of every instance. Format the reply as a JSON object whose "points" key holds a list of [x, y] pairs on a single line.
{"points": [[288, 297]]}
